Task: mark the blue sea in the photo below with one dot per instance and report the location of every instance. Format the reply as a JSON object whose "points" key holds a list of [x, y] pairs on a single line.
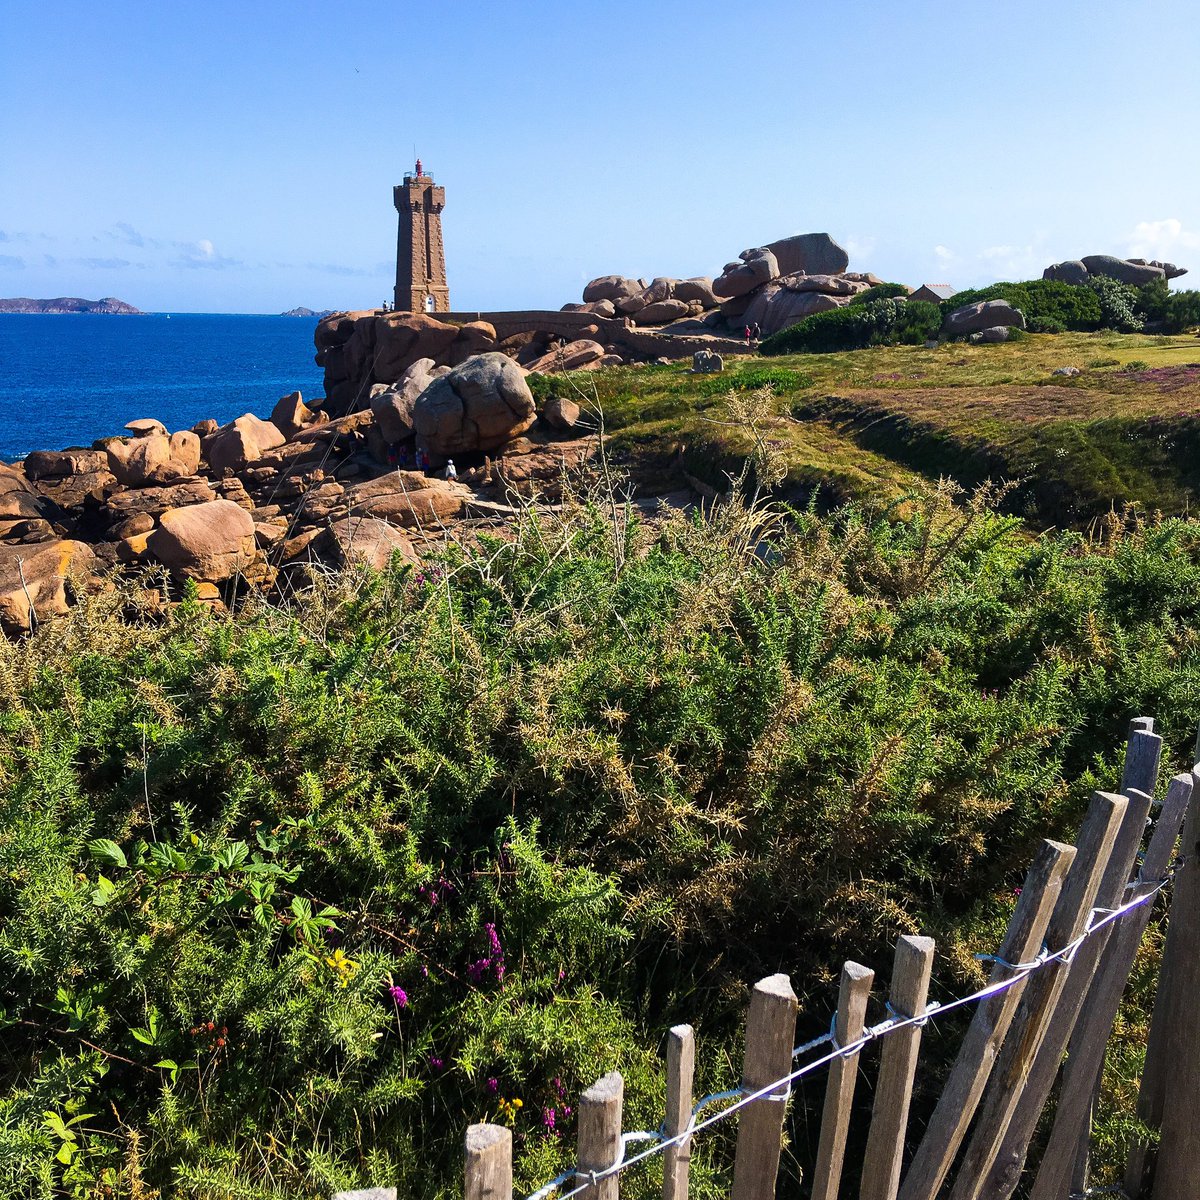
{"points": [[67, 380]]}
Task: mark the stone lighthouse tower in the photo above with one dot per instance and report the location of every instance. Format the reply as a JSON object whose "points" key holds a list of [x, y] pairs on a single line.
{"points": [[420, 258]]}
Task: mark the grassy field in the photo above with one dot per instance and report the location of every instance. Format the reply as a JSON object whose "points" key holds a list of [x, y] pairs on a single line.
{"points": [[868, 424]]}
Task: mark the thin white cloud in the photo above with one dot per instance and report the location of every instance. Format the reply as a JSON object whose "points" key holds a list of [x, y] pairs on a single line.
{"points": [[104, 264], [1163, 240], [123, 232], [944, 254], [859, 247]]}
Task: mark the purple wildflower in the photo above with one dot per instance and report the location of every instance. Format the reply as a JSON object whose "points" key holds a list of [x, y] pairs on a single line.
{"points": [[493, 940], [399, 995], [424, 971], [436, 1063], [493, 1085], [548, 1118]]}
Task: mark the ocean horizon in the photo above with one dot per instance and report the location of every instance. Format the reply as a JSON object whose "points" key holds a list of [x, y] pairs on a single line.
{"points": [[69, 379]]}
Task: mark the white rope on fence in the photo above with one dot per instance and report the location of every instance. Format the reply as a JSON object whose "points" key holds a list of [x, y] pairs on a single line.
{"points": [[894, 1022]]}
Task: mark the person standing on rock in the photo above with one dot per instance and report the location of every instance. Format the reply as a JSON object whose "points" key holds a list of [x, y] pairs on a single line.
{"points": [[451, 470], [747, 333], [755, 332]]}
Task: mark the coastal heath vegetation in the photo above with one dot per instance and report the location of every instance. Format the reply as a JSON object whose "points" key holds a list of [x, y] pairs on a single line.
{"points": [[289, 899]]}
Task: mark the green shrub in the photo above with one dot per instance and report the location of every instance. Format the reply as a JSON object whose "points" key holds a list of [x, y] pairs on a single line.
{"points": [[854, 327], [288, 900], [1117, 301], [1074, 307], [917, 322], [1045, 325], [1182, 312], [881, 291], [1152, 297]]}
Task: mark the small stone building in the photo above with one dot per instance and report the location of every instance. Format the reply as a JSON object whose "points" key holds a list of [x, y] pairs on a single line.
{"points": [[933, 293]]}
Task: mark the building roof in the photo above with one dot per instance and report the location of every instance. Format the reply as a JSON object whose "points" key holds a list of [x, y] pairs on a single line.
{"points": [[943, 291]]}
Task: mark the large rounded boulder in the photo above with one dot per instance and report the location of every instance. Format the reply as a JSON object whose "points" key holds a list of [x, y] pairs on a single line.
{"points": [[242, 442], [1119, 268], [406, 498], [210, 541], [985, 314], [755, 268], [612, 287], [1070, 271], [479, 405], [773, 307], [33, 581], [809, 254]]}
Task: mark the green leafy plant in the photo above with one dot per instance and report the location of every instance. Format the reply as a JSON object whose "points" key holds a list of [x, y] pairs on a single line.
{"points": [[1041, 300], [1117, 304]]}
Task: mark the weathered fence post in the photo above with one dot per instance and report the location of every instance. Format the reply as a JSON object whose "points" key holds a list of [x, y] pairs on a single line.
{"points": [[1160, 1048], [1140, 773], [898, 1065], [770, 1030], [681, 1061], [839, 1090], [1088, 1043], [1176, 1171], [1005, 1096], [600, 1135], [1048, 1056], [962, 1090], [487, 1170]]}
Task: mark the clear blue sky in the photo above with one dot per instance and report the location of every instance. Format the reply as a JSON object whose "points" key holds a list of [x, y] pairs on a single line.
{"points": [[239, 157]]}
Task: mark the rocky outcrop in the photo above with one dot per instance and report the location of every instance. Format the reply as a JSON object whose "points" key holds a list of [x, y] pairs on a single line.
{"points": [[242, 442], [776, 307], [574, 356], [809, 254], [69, 304], [475, 407], [613, 288], [985, 314], [406, 499], [755, 268], [18, 501], [1133, 271], [291, 414], [1071, 271], [660, 312], [1118, 268], [700, 289]]}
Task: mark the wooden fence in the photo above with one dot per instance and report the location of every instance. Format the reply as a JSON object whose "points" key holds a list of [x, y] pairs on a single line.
{"points": [[1048, 1010]]}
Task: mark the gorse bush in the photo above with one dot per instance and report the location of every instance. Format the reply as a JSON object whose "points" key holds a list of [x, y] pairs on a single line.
{"points": [[1152, 298], [1182, 312], [856, 326], [288, 900], [1041, 300], [880, 291]]}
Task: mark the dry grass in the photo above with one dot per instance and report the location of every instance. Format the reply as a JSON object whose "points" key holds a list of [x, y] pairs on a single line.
{"points": [[873, 423]]}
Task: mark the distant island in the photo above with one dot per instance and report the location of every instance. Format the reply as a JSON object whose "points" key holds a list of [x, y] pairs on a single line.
{"points": [[308, 312], [69, 304]]}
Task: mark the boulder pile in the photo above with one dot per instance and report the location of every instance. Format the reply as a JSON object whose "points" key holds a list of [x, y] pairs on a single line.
{"points": [[1135, 271], [220, 510]]}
